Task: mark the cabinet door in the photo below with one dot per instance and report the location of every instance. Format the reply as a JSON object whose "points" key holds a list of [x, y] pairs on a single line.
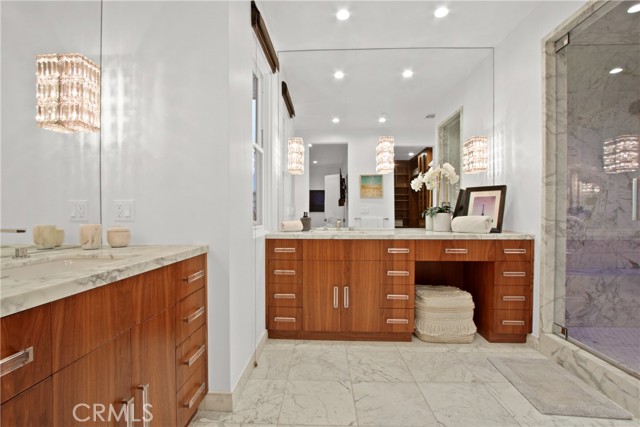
{"points": [[31, 408], [360, 297], [321, 286], [153, 368]]}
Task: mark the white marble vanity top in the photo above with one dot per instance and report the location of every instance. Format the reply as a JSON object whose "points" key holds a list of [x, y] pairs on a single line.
{"points": [[49, 276], [398, 234]]}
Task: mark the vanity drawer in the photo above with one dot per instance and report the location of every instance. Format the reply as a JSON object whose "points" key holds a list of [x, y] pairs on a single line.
{"points": [[326, 249], [363, 250], [31, 408], [512, 297], [512, 321], [396, 320], [402, 250], [455, 250], [284, 249], [397, 296], [516, 273], [397, 272], [190, 355], [283, 271], [26, 339], [191, 313], [284, 295], [285, 319], [191, 394], [193, 275], [514, 250]]}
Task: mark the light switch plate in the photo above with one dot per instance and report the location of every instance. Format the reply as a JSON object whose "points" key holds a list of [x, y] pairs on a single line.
{"points": [[123, 210], [78, 210]]}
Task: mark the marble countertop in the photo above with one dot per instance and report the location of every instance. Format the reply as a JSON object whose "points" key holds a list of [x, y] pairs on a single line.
{"points": [[398, 234], [87, 269]]}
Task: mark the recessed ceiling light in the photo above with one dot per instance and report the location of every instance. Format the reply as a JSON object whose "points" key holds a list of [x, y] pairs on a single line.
{"points": [[335, 120], [411, 154], [615, 70], [382, 120], [634, 9], [338, 75], [315, 162], [343, 15], [310, 145], [407, 73], [441, 12]]}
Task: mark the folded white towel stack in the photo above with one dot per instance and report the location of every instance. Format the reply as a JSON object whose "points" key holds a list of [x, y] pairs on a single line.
{"points": [[472, 224], [291, 225]]}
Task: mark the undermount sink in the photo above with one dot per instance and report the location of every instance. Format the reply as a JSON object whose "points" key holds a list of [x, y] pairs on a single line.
{"points": [[55, 267]]}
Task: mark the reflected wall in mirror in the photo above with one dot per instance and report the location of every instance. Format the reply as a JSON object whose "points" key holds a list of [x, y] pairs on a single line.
{"points": [[374, 99], [328, 165], [43, 171]]}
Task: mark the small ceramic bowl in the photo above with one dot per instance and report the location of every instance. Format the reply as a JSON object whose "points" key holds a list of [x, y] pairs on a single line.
{"points": [[118, 237]]}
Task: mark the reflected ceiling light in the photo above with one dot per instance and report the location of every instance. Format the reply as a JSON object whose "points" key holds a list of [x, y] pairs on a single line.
{"points": [[621, 154], [634, 9], [441, 12], [615, 70], [309, 145], [295, 163], [338, 75], [315, 162], [474, 155], [336, 120], [384, 155], [67, 93], [382, 119], [407, 73], [343, 15], [411, 154]]}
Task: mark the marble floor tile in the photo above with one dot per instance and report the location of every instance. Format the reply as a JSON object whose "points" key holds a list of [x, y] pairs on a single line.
{"points": [[320, 364], [316, 403], [273, 364], [437, 367], [361, 346], [417, 345], [391, 404], [259, 403], [465, 405], [378, 366], [480, 344]]}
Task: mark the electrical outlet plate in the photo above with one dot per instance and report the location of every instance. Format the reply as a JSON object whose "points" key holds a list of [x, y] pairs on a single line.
{"points": [[123, 210], [78, 210]]}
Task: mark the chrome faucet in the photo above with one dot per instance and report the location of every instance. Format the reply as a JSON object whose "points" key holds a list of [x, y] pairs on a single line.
{"points": [[338, 224], [325, 224]]}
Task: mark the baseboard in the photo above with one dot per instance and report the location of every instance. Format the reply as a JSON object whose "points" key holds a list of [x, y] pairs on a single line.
{"points": [[226, 401], [533, 342]]}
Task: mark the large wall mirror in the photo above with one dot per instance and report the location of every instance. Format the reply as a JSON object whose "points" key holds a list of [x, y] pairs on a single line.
{"points": [[429, 99], [44, 174]]}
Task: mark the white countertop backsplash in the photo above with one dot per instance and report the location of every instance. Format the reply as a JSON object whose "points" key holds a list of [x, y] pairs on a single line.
{"points": [[21, 294], [398, 234]]}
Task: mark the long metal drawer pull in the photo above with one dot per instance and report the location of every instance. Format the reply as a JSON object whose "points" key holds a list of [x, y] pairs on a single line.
{"points": [[513, 298], [284, 296], [515, 251], [194, 398], [346, 297], [397, 321], [193, 316], [285, 250], [193, 277], [16, 361], [455, 251], [145, 401], [129, 415], [398, 250], [335, 297], [398, 297], [514, 274], [194, 358], [285, 319], [398, 273], [513, 322], [284, 272]]}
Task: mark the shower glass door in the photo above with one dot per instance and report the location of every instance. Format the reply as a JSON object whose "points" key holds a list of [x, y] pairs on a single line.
{"points": [[598, 104]]}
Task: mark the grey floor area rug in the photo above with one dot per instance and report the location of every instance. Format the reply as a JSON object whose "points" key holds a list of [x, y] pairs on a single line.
{"points": [[554, 391]]}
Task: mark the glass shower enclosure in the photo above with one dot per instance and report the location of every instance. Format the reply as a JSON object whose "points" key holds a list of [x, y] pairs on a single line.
{"points": [[598, 118]]}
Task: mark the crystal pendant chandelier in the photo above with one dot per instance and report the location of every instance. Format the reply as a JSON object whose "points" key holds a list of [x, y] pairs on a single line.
{"points": [[67, 93], [474, 155], [384, 155], [621, 154], [296, 156]]}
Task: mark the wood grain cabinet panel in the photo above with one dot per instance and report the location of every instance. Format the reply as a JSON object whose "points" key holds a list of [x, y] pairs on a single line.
{"points": [[32, 408], [359, 297], [285, 319], [27, 337], [191, 395], [192, 275], [396, 320], [363, 250], [512, 298], [152, 292], [190, 355], [513, 273], [398, 250], [284, 271], [396, 272], [514, 250], [322, 284], [284, 294], [455, 250], [284, 249], [511, 321], [191, 314], [326, 250], [397, 296]]}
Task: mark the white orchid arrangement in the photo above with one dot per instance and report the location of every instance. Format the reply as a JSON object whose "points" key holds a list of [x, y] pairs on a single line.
{"points": [[438, 178]]}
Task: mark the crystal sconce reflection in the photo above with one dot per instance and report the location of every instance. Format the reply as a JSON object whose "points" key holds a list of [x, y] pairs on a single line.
{"points": [[621, 154], [384, 155], [474, 155], [67, 93], [296, 156]]}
